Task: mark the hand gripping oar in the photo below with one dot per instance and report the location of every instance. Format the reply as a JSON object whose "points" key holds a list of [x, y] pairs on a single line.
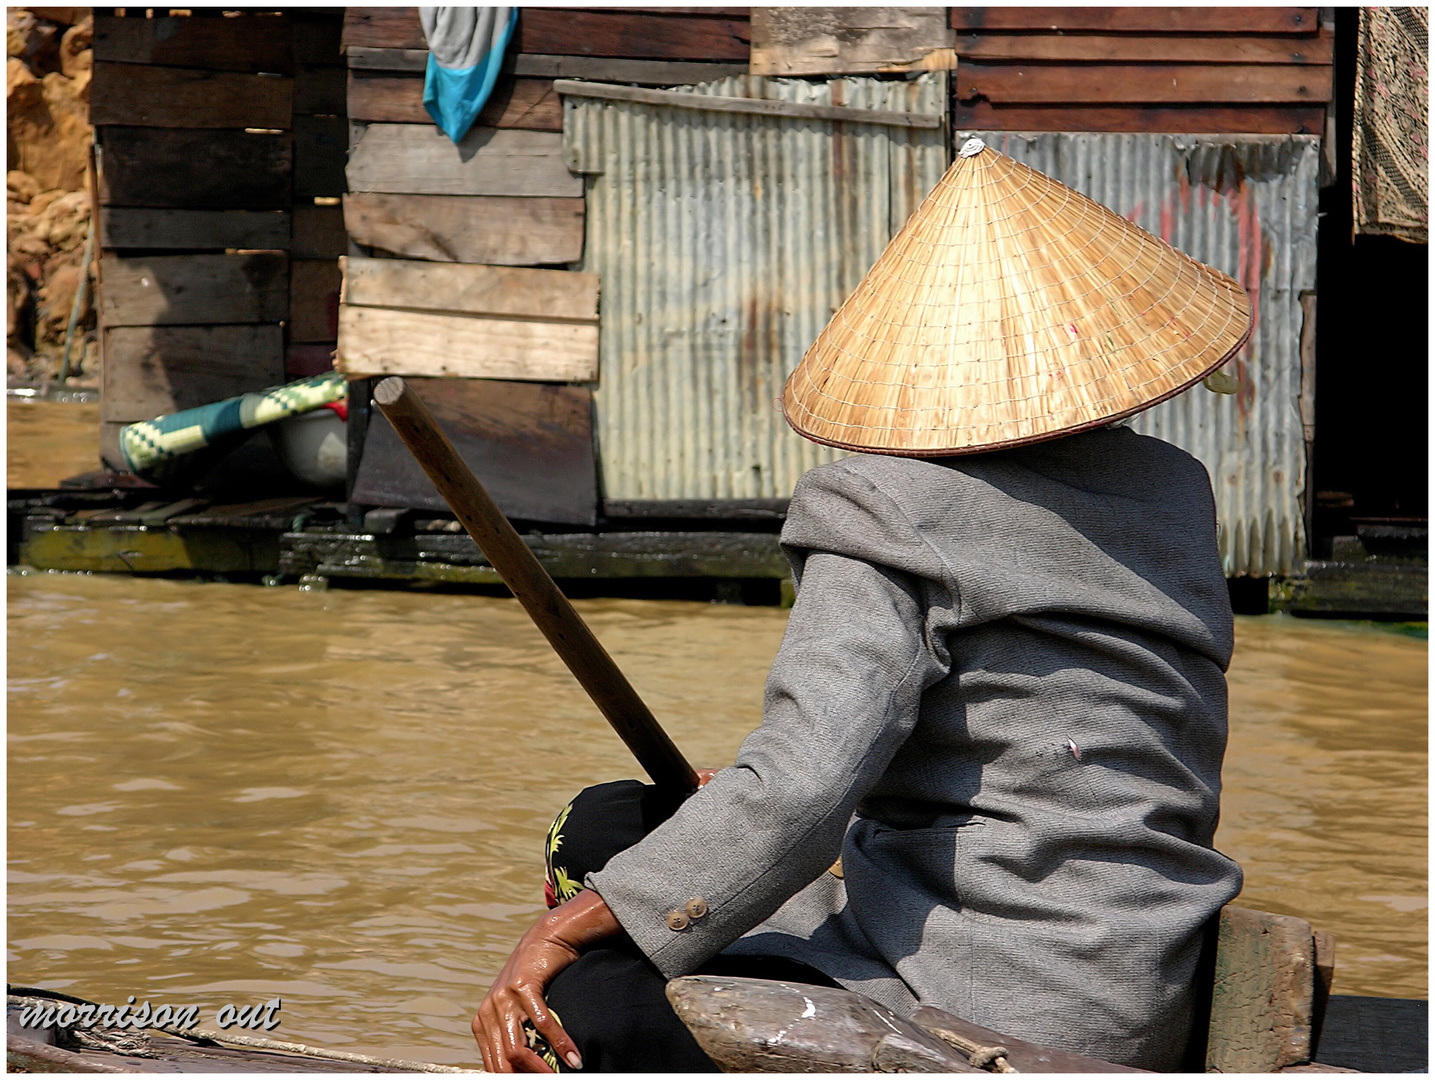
{"points": [[524, 575]]}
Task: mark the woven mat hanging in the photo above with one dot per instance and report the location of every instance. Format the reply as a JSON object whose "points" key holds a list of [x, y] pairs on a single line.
{"points": [[1010, 309], [1390, 150]]}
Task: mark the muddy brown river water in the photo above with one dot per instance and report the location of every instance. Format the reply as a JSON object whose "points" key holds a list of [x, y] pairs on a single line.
{"points": [[223, 793]]}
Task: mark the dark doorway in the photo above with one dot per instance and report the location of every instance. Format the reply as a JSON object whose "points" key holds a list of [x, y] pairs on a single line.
{"points": [[1369, 466]]}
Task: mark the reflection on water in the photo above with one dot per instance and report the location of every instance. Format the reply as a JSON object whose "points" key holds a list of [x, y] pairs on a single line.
{"points": [[48, 441], [223, 793]]}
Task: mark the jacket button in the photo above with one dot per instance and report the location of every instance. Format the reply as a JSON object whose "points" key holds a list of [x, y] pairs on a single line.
{"points": [[697, 907], [677, 920]]}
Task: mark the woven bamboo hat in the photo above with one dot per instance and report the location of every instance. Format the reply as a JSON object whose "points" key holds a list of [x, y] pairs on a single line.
{"points": [[1010, 309]]}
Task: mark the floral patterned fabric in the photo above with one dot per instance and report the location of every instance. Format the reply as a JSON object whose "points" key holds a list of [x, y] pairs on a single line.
{"points": [[1390, 147]]}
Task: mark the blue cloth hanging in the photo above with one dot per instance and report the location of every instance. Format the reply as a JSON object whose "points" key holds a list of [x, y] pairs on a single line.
{"points": [[466, 47]]}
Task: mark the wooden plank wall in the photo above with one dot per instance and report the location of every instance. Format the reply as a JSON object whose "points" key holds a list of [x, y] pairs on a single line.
{"points": [[1192, 69], [221, 141], [507, 198], [502, 198]]}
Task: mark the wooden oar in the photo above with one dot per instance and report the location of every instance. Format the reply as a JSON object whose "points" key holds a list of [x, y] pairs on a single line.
{"points": [[524, 575]]}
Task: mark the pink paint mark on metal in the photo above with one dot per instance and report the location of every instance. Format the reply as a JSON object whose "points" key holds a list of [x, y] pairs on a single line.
{"points": [[1248, 245], [1183, 189], [1135, 215], [1166, 215]]}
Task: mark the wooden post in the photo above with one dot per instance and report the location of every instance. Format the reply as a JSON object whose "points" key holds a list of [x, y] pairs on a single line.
{"points": [[524, 575]]}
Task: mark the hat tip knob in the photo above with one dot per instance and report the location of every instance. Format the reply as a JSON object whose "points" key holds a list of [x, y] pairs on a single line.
{"points": [[971, 148]]}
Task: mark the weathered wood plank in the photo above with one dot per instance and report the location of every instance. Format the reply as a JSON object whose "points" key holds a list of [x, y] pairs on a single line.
{"points": [[492, 229], [383, 28], [1180, 49], [380, 341], [186, 290], [530, 444], [319, 90], [236, 44], [843, 40], [1140, 20], [1147, 84], [654, 34], [321, 146], [1232, 119], [553, 66], [411, 61], [136, 227], [1261, 1007], [530, 104], [318, 233], [634, 35], [153, 370], [418, 160], [605, 69], [144, 96], [201, 170], [314, 300], [471, 290]]}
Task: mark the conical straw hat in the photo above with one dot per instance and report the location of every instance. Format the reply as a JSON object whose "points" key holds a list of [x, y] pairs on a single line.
{"points": [[1010, 309]]}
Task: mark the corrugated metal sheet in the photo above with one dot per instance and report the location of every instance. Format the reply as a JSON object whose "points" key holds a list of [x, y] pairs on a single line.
{"points": [[1245, 205], [724, 243]]}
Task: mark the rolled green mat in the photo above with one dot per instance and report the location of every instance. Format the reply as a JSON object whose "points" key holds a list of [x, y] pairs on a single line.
{"points": [[150, 445]]}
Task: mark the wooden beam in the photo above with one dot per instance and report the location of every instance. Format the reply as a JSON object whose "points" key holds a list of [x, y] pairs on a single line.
{"points": [[1181, 119], [250, 43], [133, 227], [1215, 84], [381, 341], [642, 72], [509, 434], [419, 160], [153, 370], [749, 106], [528, 104], [314, 300], [318, 232], [468, 228], [1261, 1006], [200, 170], [1140, 20], [634, 35], [554, 66], [471, 290], [849, 40], [1127, 48], [181, 290], [144, 96], [366, 58]]}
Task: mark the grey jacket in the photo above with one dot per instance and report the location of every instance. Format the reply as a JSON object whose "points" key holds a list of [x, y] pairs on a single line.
{"points": [[1001, 697]]}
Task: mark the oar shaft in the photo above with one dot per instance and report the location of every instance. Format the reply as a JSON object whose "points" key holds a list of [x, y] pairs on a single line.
{"points": [[529, 581]]}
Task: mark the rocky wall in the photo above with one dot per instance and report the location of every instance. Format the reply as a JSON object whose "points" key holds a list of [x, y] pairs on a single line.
{"points": [[48, 136]]}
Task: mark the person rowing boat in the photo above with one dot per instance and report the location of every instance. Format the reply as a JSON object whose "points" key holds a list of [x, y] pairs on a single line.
{"points": [[1001, 693]]}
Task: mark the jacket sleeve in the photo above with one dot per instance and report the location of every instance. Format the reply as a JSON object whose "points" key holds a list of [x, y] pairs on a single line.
{"points": [[843, 695]]}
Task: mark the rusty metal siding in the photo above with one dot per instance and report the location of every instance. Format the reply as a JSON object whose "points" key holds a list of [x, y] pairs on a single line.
{"points": [[1245, 204], [724, 243]]}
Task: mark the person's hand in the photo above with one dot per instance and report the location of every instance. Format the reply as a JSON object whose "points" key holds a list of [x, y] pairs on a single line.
{"points": [[549, 946], [704, 775]]}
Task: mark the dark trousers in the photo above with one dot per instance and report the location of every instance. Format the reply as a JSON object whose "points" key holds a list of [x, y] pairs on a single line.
{"points": [[611, 1000]]}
